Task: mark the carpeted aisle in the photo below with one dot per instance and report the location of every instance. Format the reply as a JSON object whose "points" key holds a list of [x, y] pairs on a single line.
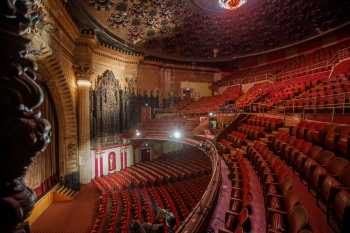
{"points": [[70, 217]]}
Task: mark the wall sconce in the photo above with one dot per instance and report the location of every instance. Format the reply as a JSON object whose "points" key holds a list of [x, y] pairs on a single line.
{"points": [[83, 83]]}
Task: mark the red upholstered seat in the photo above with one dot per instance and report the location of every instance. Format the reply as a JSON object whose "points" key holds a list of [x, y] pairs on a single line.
{"points": [[338, 211], [317, 176], [291, 200], [298, 219], [345, 176], [344, 140], [330, 138], [337, 165], [326, 187], [325, 157]]}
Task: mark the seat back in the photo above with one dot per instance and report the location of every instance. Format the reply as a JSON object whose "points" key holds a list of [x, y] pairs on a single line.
{"points": [[291, 200], [345, 176], [326, 187], [325, 157], [337, 165], [298, 219], [287, 185], [341, 205], [315, 151], [318, 173]]}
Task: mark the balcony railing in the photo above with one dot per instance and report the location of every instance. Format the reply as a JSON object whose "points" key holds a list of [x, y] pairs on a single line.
{"points": [[314, 105]]}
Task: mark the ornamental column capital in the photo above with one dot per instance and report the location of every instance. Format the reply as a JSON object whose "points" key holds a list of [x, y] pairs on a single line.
{"points": [[83, 71]]}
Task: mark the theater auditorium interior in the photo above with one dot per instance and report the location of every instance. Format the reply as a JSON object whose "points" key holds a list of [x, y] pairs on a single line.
{"points": [[175, 116]]}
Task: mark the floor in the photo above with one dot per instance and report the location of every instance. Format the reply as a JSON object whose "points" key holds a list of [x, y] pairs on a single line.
{"points": [[69, 217]]}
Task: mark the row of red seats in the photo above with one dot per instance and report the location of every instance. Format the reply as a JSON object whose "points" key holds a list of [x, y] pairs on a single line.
{"points": [[158, 171], [213, 103], [284, 211], [269, 123], [331, 136], [236, 138], [116, 210], [183, 210], [192, 190], [253, 94], [108, 209], [289, 68], [252, 131], [330, 86], [326, 174], [237, 217], [328, 93], [289, 88], [164, 126]]}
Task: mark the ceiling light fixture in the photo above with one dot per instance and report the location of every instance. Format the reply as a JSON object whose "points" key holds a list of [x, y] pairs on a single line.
{"points": [[231, 4]]}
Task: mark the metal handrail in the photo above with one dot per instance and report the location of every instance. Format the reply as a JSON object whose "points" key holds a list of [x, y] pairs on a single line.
{"points": [[263, 108], [320, 97]]}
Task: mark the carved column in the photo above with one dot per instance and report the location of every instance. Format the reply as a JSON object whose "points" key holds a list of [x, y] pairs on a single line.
{"points": [[23, 132], [85, 162]]}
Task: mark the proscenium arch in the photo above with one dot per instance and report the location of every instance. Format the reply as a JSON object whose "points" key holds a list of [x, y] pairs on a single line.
{"points": [[51, 70]]}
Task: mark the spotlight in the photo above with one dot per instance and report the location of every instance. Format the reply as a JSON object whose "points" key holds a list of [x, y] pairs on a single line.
{"points": [[177, 134], [138, 133], [211, 114]]}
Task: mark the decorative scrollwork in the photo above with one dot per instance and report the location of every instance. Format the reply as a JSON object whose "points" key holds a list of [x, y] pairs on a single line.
{"points": [[24, 133], [101, 4]]}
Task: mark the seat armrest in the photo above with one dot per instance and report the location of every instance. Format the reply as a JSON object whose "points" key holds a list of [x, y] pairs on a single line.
{"points": [[236, 199], [232, 213], [275, 195], [223, 230], [277, 211]]}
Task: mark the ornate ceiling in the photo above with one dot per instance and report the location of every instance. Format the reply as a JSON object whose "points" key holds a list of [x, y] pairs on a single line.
{"points": [[204, 30]]}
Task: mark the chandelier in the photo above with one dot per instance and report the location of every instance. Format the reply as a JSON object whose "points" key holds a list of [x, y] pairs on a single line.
{"points": [[231, 4]]}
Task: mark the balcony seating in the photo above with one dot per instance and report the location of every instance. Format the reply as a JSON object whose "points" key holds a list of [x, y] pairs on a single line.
{"points": [[326, 174], [285, 212], [253, 94], [331, 136], [237, 217], [253, 132], [316, 61], [269, 123], [165, 126], [237, 138], [338, 211], [328, 93], [212, 103]]}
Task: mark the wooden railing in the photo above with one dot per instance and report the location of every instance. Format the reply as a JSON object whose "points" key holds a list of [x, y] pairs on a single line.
{"points": [[197, 220]]}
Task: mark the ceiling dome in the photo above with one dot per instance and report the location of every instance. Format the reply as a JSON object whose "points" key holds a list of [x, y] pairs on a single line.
{"points": [[200, 30]]}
